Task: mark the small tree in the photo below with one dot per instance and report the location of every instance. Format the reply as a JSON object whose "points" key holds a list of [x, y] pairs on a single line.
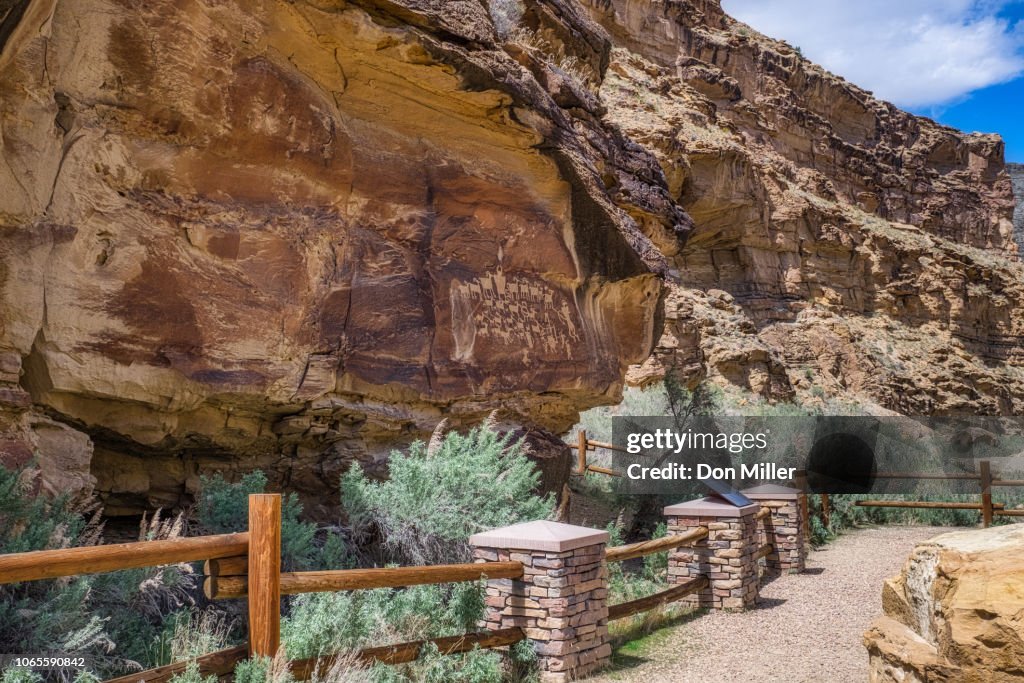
{"points": [[686, 405]]}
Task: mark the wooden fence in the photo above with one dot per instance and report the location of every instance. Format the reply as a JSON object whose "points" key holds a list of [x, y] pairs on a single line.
{"points": [[248, 565], [984, 477], [985, 505], [583, 445]]}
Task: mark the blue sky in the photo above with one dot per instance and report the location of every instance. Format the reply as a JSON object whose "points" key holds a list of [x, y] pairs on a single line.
{"points": [[960, 62]]}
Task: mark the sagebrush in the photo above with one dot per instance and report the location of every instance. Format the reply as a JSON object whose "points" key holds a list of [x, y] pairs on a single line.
{"points": [[437, 497]]}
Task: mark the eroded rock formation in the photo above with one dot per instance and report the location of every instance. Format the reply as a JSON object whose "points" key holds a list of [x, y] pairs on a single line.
{"points": [[954, 613], [294, 233], [1016, 172], [289, 235], [868, 253]]}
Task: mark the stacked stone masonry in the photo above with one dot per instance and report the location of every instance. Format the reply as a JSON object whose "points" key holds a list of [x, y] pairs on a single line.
{"points": [[561, 603], [784, 528], [725, 556]]}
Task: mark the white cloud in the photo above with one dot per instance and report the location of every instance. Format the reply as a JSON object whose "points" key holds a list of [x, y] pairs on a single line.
{"points": [[914, 53]]}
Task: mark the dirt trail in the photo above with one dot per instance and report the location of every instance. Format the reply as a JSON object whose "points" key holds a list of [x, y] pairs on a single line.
{"points": [[807, 628]]}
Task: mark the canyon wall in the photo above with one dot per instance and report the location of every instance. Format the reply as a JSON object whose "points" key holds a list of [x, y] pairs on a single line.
{"points": [[842, 248], [290, 235], [286, 235], [1016, 172]]}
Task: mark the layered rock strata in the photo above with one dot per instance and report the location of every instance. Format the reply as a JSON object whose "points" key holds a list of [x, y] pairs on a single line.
{"points": [[841, 248], [293, 235], [288, 235], [1016, 172]]}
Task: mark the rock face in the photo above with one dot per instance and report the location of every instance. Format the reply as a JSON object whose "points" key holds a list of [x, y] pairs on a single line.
{"points": [[1016, 172], [867, 254], [954, 613], [296, 233], [289, 235]]}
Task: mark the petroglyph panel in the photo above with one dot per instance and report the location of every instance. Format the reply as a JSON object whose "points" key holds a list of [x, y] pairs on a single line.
{"points": [[515, 311]]}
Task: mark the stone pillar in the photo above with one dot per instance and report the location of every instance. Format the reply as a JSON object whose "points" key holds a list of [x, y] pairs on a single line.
{"points": [[562, 600], [725, 557], [784, 529]]}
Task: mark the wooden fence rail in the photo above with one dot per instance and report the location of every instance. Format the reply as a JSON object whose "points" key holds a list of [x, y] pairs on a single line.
{"points": [[584, 444], [227, 566], [220, 663], [627, 609], [403, 653], [628, 552], [986, 481], [224, 587], [924, 504], [52, 564]]}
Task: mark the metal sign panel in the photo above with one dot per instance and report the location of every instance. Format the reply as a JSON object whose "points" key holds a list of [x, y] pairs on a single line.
{"points": [[726, 492]]}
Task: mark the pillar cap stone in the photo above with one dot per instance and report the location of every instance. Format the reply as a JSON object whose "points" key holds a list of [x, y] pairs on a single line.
{"points": [[709, 507], [771, 492], [552, 537]]}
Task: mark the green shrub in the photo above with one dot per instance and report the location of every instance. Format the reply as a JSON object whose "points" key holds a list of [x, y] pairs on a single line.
{"points": [[478, 666], [254, 670], [191, 674], [327, 623], [264, 670], [30, 522], [437, 497], [223, 507], [624, 584], [523, 663], [188, 634], [114, 617]]}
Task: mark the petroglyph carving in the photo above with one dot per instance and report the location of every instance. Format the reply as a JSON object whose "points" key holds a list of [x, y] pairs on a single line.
{"points": [[512, 310]]}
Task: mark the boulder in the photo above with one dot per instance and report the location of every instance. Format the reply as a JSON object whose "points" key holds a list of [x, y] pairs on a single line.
{"points": [[955, 612]]}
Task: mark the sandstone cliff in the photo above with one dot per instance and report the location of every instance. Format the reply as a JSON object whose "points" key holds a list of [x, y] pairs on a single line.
{"points": [[287, 235], [1016, 172], [858, 251]]}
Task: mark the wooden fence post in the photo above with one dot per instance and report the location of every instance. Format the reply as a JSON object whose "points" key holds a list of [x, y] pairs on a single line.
{"points": [[581, 451], [986, 493], [264, 574]]}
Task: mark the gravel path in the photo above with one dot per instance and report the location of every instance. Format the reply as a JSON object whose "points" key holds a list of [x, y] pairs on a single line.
{"points": [[807, 628]]}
